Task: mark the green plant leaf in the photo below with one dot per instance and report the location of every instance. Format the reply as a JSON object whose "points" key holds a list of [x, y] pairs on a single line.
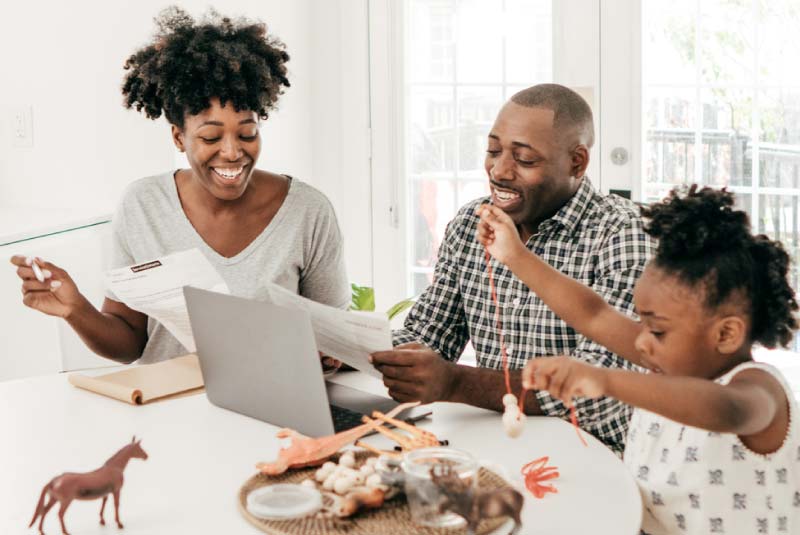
{"points": [[397, 308], [362, 298]]}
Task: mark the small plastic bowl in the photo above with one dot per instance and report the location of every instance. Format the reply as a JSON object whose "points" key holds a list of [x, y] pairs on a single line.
{"points": [[283, 501]]}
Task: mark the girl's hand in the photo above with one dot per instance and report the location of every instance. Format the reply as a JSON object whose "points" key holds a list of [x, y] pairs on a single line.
{"points": [[56, 296], [497, 232], [565, 378]]}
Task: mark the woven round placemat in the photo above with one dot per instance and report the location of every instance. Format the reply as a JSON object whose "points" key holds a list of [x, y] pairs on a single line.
{"points": [[393, 518]]}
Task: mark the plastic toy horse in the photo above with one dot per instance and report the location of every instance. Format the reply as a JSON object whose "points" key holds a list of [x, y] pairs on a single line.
{"points": [[88, 486]]}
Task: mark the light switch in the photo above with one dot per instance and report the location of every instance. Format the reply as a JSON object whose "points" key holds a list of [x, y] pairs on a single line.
{"points": [[22, 127]]}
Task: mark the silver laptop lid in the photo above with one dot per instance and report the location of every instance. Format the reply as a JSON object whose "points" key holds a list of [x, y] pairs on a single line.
{"points": [[260, 360]]}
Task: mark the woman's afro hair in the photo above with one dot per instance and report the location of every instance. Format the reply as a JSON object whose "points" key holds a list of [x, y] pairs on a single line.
{"points": [[189, 63], [704, 239]]}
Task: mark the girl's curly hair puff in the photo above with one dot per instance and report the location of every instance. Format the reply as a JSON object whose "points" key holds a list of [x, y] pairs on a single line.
{"points": [[189, 63], [702, 238]]}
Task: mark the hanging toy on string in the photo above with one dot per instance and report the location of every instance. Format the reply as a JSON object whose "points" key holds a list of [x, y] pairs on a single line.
{"points": [[513, 408], [513, 417], [513, 412]]}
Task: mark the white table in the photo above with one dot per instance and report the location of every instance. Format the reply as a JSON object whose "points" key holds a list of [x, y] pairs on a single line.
{"points": [[201, 454]]}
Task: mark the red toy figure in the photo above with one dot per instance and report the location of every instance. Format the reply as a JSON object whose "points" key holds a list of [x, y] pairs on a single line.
{"points": [[89, 486]]}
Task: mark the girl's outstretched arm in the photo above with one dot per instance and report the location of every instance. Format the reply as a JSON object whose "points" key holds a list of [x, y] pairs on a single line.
{"points": [[579, 306], [747, 406]]}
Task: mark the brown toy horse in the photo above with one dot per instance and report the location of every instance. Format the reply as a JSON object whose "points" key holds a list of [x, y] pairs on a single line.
{"points": [[474, 506], [89, 486]]}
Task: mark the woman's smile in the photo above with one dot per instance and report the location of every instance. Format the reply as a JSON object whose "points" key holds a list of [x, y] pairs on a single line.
{"points": [[229, 175]]}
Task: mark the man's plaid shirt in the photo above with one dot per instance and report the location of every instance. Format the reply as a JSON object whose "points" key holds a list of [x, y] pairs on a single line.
{"points": [[594, 239]]}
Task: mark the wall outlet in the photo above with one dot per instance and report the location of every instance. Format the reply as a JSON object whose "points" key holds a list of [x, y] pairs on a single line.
{"points": [[22, 127]]}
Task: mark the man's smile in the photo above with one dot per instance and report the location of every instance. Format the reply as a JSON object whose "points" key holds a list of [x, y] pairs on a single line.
{"points": [[506, 199]]}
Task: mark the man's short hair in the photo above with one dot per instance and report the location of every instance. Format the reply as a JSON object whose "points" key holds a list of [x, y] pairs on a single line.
{"points": [[570, 110]]}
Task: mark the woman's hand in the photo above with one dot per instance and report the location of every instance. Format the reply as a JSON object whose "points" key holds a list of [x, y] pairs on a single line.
{"points": [[56, 296], [565, 378], [497, 232], [329, 364]]}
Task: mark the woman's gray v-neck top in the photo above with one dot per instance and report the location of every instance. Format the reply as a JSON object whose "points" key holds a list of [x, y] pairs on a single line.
{"points": [[301, 249]]}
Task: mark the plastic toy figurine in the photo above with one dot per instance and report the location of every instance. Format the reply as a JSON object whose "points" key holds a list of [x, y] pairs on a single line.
{"points": [[474, 506], [305, 451], [88, 486]]}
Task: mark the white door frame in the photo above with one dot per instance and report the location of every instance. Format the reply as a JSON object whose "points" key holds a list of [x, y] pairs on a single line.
{"points": [[578, 41], [389, 244], [620, 94]]}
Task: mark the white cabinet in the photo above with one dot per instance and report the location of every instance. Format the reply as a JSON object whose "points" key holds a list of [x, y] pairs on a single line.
{"points": [[32, 343]]}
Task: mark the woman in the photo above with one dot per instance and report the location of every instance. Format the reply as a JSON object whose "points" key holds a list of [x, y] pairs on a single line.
{"points": [[214, 81]]}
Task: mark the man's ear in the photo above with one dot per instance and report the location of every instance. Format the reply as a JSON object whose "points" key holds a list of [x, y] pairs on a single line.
{"points": [[729, 334], [177, 138], [580, 161]]}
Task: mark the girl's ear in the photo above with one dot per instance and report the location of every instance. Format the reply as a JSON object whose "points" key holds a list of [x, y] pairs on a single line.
{"points": [[177, 138], [729, 334]]}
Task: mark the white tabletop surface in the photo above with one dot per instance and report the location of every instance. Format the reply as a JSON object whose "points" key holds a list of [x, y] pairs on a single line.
{"points": [[200, 455]]}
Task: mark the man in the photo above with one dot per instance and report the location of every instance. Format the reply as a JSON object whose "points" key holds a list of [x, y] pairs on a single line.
{"points": [[538, 152]]}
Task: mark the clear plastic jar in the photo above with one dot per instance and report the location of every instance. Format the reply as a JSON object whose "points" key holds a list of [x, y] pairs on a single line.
{"points": [[426, 498]]}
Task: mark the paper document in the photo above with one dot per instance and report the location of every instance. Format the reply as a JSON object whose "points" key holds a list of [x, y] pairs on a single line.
{"points": [[155, 288], [347, 336]]}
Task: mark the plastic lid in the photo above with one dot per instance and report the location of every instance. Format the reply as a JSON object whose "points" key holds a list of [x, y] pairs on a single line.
{"points": [[283, 501]]}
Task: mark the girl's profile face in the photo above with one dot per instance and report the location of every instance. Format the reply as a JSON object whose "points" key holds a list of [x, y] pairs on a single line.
{"points": [[222, 146], [676, 329]]}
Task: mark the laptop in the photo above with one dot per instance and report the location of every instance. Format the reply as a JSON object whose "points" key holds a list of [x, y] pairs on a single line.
{"points": [[261, 360]]}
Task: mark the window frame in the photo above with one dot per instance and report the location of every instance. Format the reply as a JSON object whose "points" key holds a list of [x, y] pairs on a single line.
{"points": [[575, 29]]}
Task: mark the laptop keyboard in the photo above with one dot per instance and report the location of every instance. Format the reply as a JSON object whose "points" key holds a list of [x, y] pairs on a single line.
{"points": [[344, 419]]}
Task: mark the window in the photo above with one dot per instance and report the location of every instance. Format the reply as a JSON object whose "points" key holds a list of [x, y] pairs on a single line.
{"points": [[720, 107], [463, 59]]}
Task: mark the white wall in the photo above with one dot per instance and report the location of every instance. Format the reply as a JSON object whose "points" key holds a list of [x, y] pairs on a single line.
{"points": [[64, 60], [340, 124]]}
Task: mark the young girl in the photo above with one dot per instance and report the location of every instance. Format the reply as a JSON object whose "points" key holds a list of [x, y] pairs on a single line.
{"points": [[711, 442]]}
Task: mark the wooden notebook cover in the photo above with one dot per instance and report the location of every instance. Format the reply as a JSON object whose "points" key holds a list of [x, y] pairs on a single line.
{"points": [[147, 382]]}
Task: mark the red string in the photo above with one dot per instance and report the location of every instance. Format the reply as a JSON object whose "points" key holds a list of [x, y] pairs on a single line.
{"points": [[572, 413], [499, 323], [574, 418], [535, 472]]}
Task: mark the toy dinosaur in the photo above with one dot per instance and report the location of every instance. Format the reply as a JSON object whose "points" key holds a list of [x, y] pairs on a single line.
{"points": [[88, 486], [305, 451]]}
